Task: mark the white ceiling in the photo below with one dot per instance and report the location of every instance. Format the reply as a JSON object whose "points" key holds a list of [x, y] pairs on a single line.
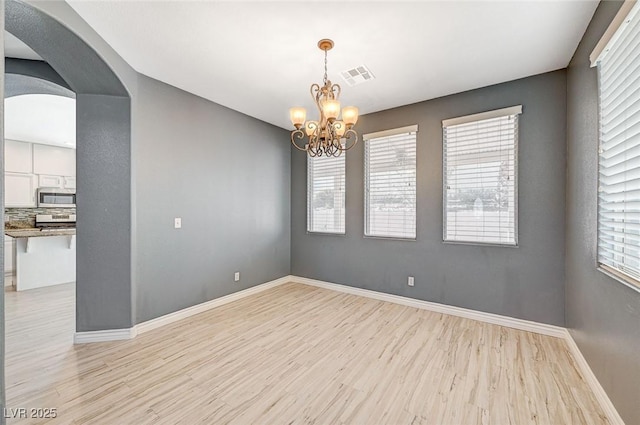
{"points": [[41, 118], [260, 57], [15, 48]]}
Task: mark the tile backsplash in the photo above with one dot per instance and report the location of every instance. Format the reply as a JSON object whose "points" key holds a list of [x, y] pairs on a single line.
{"points": [[29, 214]]}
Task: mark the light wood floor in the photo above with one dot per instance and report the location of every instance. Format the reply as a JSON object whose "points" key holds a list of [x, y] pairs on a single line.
{"points": [[292, 354]]}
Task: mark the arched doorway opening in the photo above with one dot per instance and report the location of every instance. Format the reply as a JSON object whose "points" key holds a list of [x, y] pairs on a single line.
{"points": [[103, 133]]}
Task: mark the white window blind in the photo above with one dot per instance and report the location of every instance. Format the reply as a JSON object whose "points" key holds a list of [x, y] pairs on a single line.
{"points": [[619, 152], [326, 194], [480, 177], [390, 183]]}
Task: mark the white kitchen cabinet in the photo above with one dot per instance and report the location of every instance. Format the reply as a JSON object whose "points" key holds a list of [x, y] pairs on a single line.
{"points": [[50, 181], [54, 160], [18, 157], [19, 190], [44, 261], [69, 182], [59, 182]]}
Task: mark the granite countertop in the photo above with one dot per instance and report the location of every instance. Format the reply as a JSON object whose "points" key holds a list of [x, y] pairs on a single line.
{"points": [[34, 232]]}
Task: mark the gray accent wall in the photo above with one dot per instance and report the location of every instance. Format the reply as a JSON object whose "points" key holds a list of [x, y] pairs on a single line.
{"points": [[602, 314], [103, 247], [525, 282], [227, 176]]}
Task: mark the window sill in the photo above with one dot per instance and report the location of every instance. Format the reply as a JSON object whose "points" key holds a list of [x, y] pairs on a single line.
{"points": [[620, 277], [326, 233], [391, 238], [498, 245]]}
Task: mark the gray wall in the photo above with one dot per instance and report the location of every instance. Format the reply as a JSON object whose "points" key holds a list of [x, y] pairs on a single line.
{"points": [[602, 314], [525, 282], [103, 247], [227, 176]]}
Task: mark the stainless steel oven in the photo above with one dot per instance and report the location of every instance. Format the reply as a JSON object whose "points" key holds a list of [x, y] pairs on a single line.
{"points": [[56, 198]]}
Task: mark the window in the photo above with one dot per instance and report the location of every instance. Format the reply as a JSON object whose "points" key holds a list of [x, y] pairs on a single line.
{"points": [[480, 186], [619, 151], [325, 194], [390, 183]]}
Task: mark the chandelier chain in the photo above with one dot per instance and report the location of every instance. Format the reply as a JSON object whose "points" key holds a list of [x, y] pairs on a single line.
{"points": [[325, 68]]}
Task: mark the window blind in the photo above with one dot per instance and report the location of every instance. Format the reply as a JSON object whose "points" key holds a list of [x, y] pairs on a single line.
{"points": [[619, 151], [326, 194], [390, 184], [480, 187]]}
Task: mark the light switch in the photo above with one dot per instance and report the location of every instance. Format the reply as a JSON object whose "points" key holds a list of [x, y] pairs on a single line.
{"points": [[177, 222]]}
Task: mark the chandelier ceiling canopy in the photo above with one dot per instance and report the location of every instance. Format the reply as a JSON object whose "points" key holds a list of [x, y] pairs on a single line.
{"points": [[331, 134]]}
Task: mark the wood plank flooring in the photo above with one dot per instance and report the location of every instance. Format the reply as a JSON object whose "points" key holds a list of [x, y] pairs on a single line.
{"points": [[294, 354]]}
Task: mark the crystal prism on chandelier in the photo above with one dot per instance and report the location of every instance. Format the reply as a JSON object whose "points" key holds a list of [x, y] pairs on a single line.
{"points": [[331, 134]]}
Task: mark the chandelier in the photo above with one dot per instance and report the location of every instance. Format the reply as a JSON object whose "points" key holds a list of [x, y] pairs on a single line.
{"points": [[330, 135]]}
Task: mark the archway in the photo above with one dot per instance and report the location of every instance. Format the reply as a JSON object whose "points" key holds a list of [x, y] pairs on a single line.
{"points": [[103, 132]]}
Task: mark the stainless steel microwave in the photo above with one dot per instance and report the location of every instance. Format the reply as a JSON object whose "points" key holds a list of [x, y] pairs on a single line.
{"points": [[53, 197]]}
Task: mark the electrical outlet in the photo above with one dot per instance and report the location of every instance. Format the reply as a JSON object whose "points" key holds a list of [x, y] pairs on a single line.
{"points": [[177, 223], [236, 277], [410, 281]]}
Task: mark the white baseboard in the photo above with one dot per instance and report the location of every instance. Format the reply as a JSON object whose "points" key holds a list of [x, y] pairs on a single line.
{"points": [[495, 319], [129, 333], [104, 336], [199, 308], [592, 381]]}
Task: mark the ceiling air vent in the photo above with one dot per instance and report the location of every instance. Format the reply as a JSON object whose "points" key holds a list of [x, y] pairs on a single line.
{"points": [[358, 75]]}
